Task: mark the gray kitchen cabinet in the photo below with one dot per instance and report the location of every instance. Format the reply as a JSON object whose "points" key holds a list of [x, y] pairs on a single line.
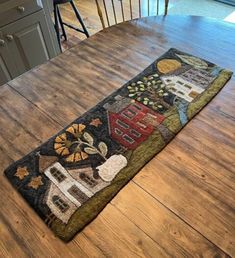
{"points": [[8, 68], [26, 42]]}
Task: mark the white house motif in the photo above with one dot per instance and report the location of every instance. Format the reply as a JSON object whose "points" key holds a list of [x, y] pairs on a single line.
{"points": [[70, 188], [65, 194], [189, 84], [182, 88], [59, 204]]}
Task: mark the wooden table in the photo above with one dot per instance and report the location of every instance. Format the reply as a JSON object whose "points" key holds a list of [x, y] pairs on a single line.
{"points": [[182, 202]]}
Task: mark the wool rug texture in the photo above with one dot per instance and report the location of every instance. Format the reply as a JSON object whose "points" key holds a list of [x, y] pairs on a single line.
{"points": [[69, 179]]}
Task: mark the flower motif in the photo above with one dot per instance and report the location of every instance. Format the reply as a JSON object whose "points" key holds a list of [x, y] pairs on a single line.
{"points": [[76, 130], [77, 156], [77, 145], [61, 145]]}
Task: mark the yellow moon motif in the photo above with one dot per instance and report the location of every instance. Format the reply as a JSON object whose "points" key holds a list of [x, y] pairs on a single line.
{"points": [[168, 65]]}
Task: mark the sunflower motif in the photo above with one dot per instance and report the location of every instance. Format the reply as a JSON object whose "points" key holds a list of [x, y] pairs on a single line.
{"points": [[62, 144], [77, 156], [65, 146], [76, 130], [76, 144]]}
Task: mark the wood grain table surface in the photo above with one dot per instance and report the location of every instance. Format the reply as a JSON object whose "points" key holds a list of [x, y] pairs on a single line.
{"points": [[182, 203]]}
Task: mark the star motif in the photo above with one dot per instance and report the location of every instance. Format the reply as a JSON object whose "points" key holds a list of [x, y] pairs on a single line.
{"points": [[96, 122], [35, 182], [21, 172]]}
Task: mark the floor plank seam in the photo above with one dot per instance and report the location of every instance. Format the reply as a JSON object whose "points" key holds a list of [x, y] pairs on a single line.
{"points": [[18, 238], [182, 219], [19, 124], [97, 246], [141, 229], [203, 153], [41, 110]]}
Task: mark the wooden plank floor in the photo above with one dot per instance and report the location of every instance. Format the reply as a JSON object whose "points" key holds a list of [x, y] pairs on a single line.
{"points": [[181, 204]]}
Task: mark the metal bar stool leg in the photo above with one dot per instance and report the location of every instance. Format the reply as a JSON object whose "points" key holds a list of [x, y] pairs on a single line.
{"points": [[57, 25], [79, 18], [61, 24]]}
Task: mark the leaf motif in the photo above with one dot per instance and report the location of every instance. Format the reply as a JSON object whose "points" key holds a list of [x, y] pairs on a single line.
{"points": [[103, 148], [193, 61], [90, 150], [132, 95], [88, 138]]}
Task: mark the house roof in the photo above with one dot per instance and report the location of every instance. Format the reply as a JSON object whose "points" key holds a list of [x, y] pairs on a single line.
{"points": [[45, 161], [119, 104]]}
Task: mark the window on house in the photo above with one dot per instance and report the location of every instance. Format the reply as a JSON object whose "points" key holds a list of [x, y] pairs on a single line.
{"points": [[185, 75], [142, 125], [179, 82], [199, 77], [188, 86], [128, 139], [180, 92], [60, 203], [129, 114], [122, 124], [137, 107], [118, 132], [87, 179], [57, 174], [203, 72], [78, 194], [135, 133]]}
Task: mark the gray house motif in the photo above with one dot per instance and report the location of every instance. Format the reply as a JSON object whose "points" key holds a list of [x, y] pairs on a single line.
{"points": [[189, 84], [198, 77]]}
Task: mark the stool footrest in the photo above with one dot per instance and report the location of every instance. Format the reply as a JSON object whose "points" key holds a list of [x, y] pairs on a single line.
{"points": [[73, 27]]}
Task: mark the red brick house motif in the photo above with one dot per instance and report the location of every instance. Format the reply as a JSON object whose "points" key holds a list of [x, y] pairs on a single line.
{"points": [[131, 122]]}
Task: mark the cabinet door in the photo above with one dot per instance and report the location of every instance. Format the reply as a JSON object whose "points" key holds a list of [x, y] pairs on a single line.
{"points": [[8, 69], [29, 41]]}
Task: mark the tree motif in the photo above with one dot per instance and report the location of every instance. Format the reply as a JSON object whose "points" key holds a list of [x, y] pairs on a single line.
{"points": [[150, 91]]}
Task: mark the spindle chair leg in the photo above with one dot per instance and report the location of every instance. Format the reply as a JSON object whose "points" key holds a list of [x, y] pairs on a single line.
{"points": [[144, 9], [99, 11]]}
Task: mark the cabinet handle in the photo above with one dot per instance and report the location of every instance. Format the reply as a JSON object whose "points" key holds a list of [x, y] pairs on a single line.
{"points": [[21, 9], [9, 37], [2, 42]]}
